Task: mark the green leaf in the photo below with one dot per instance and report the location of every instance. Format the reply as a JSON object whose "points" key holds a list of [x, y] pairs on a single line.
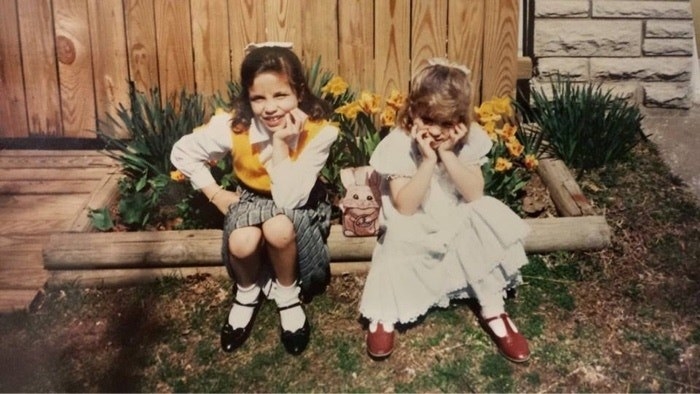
{"points": [[101, 219]]}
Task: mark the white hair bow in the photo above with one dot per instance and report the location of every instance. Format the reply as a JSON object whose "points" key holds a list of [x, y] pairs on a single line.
{"points": [[256, 45], [441, 61]]}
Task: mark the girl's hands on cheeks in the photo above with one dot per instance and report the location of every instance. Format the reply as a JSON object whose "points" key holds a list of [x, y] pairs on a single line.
{"points": [[424, 141], [456, 133]]}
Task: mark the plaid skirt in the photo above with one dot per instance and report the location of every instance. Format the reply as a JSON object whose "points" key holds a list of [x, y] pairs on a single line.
{"points": [[311, 225]]}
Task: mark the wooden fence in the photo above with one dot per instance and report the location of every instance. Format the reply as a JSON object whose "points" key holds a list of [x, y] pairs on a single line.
{"points": [[64, 64]]}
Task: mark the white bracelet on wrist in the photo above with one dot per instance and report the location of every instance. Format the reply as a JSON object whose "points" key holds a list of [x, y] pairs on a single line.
{"points": [[211, 199]]}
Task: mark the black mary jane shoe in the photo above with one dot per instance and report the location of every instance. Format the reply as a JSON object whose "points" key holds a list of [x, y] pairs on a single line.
{"points": [[233, 338], [295, 342]]}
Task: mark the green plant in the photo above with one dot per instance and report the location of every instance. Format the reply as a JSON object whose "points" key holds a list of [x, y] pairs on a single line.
{"points": [[585, 126], [147, 192], [514, 154]]}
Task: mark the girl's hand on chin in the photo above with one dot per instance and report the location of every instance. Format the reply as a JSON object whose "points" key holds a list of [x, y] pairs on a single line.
{"points": [[293, 124]]}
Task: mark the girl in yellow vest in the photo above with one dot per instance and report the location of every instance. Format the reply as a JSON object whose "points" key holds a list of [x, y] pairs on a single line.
{"points": [[277, 221]]}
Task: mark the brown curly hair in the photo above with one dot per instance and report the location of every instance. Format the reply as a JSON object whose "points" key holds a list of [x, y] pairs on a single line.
{"points": [[281, 61]]}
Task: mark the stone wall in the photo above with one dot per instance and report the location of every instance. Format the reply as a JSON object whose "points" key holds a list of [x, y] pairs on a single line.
{"points": [[642, 49]]}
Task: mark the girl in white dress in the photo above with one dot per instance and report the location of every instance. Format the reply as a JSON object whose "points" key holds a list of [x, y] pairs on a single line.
{"points": [[441, 238]]}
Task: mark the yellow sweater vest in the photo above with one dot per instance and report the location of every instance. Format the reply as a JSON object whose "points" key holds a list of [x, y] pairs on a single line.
{"points": [[246, 158]]}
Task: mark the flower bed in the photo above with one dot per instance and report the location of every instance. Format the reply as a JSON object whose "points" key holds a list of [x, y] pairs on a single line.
{"points": [[514, 157]]}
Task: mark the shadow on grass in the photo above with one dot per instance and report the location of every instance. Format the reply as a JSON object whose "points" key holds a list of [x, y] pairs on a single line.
{"points": [[135, 330]]}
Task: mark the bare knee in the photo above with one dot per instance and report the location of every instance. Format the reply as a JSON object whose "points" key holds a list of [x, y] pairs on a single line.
{"points": [[244, 242], [279, 232]]}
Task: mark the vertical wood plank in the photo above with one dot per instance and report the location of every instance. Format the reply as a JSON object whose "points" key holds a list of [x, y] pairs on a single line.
{"points": [[39, 62], [141, 41], [13, 107], [356, 46], [283, 22], [110, 61], [75, 68], [500, 60], [428, 32], [174, 45], [212, 65], [466, 38], [320, 31], [392, 53], [245, 25]]}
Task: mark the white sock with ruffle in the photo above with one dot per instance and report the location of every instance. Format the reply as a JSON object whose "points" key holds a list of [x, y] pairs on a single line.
{"points": [[293, 318], [386, 327], [494, 309], [240, 315]]}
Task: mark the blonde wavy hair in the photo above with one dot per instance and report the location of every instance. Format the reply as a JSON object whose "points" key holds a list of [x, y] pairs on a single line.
{"points": [[441, 94]]}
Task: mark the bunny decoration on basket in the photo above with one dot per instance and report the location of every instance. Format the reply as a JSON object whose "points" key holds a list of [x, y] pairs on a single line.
{"points": [[361, 203]]}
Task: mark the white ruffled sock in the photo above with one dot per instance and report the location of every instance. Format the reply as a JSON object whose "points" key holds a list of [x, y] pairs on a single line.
{"points": [[291, 319], [387, 327], [493, 309], [239, 316]]}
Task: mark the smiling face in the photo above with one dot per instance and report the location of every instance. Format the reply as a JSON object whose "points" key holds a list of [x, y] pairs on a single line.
{"points": [[438, 131], [271, 99]]}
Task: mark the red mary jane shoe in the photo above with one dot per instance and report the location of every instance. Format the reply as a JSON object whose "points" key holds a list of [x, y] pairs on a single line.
{"points": [[380, 343], [513, 345]]}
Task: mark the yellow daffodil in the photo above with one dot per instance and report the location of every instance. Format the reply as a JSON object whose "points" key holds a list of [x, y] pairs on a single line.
{"points": [[507, 132], [336, 86], [487, 117], [531, 162], [490, 128], [396, 100], [369, 102], [388, 117], [485, 109], [502, 165], [502, 106], [514, 147], [177, 176], [349, 110]]}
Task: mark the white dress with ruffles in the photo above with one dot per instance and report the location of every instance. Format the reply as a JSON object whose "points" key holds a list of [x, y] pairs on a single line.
{"points": [[447, 249]]}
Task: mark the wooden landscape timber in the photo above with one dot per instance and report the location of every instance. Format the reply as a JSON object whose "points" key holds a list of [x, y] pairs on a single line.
{"points": [[133, 257], [563, 189], [162, 249]]}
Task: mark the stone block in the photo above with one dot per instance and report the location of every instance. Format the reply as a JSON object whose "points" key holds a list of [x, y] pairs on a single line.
{"points": [[667, 95], [668, 47], [630, 91], [575, 68], [653, 69], [584, 38], [641, 9], [668, 29], [562, 9]]}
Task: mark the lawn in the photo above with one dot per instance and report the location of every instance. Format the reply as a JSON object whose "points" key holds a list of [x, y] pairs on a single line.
{"points": [[618, 320]]}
